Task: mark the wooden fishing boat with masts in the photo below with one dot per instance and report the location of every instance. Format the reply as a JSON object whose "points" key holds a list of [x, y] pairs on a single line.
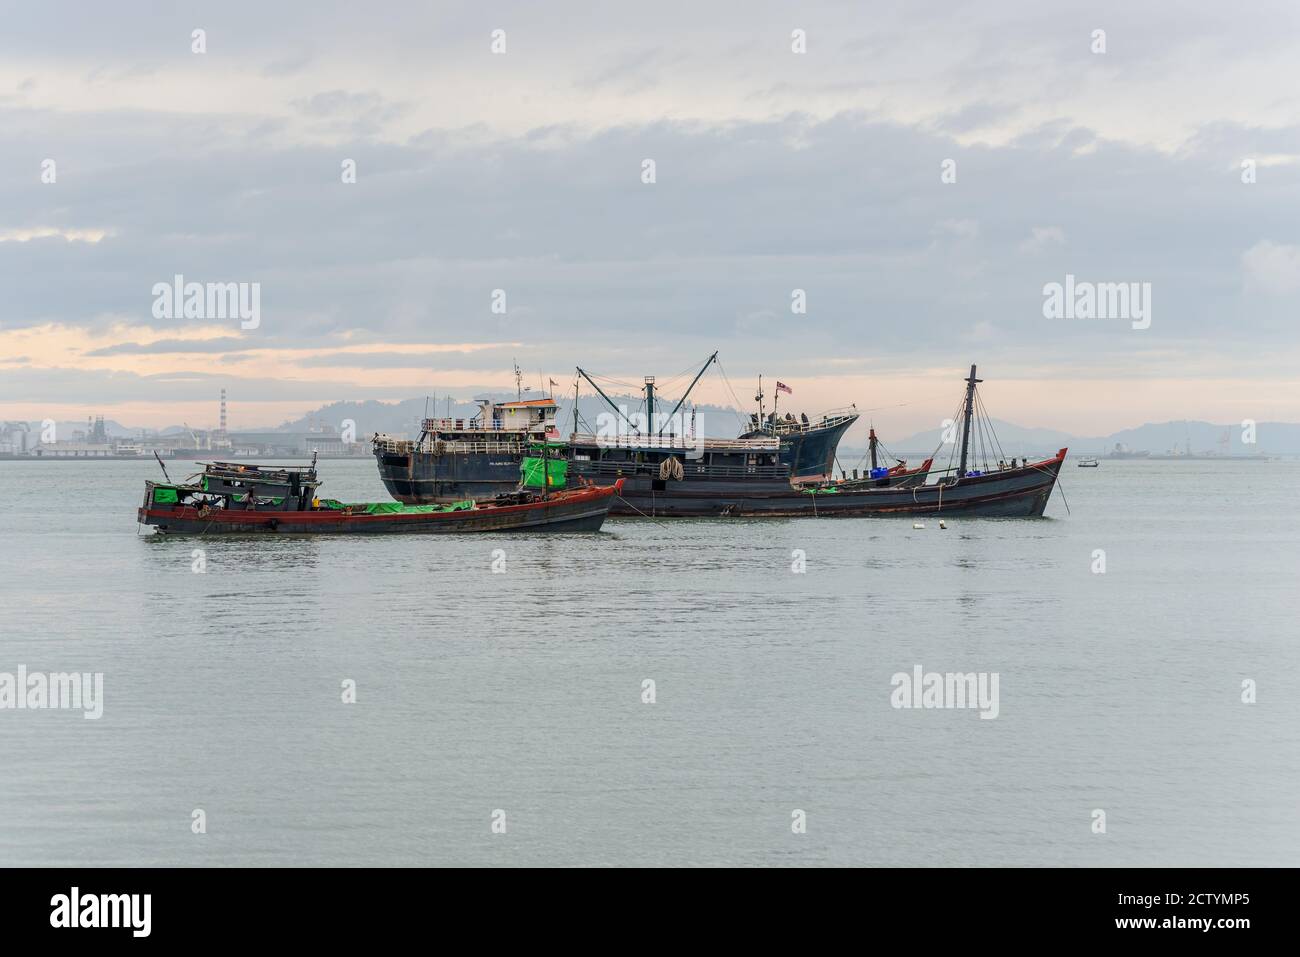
{"points": [[667, 477], [234, 498], [1000, 488]]}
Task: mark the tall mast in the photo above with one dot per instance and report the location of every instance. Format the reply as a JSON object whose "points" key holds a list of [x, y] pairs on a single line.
{"points": [[650, 402], [759, 399], [575, 406], [608, 401], [965, 428], [871, 442], [519, 382], [707, 363]]}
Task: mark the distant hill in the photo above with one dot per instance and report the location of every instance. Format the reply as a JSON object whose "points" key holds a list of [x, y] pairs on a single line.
{"points": [[403, 419], [1272, 438]]}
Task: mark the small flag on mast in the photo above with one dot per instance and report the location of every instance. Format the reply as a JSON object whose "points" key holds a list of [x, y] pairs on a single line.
{"points": [[782, 387]]}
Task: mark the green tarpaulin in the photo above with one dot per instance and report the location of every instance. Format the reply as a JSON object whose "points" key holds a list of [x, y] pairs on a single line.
{"points": [[553, 473], [165, 496], [394, 508]]}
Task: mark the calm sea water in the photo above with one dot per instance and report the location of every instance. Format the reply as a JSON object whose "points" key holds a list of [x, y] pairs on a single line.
{"points": [[522, 690]]}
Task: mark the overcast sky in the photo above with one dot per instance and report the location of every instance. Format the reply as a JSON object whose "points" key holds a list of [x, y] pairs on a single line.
{"points": [[774, 171]]}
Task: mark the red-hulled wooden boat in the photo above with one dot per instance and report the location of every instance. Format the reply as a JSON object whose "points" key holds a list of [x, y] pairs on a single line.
{"points": [[234, 498]]}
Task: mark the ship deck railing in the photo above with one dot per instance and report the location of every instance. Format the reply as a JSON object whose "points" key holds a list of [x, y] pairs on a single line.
{"points": [[674, 443], [798, 427], [384, 443], [472, 424]]}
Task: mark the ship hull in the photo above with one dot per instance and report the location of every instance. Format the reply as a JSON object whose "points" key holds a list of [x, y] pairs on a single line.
{"points": [[810, 455], [423, 478], [577, 510], [1011, 493]]}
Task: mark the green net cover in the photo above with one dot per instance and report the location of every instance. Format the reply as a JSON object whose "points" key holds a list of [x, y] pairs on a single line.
{"points": [[393, 508], [537, 472]]}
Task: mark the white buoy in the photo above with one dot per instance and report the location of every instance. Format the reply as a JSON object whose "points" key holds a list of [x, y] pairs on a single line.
{"points": [[941, 524], [917, 525]]}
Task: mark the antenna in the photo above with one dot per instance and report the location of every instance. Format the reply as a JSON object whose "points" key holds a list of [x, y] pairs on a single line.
{"points": [[519, 382]]}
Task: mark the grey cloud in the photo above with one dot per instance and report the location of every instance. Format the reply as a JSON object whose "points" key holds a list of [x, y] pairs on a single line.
{"points": [[288, 65], [604, 270], [442, 359], [176, 346], [60, 386], [739, 217]]}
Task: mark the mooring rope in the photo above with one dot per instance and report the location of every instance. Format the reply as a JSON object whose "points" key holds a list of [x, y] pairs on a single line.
{"points": [[1057, 485], [648, 518]]}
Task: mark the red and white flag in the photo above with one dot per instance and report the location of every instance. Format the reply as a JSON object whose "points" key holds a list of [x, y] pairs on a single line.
{"points": [[782, 387]]}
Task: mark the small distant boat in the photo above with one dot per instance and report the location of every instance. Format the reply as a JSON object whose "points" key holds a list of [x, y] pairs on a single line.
{"points": [[1087, 462], [235, 498]]}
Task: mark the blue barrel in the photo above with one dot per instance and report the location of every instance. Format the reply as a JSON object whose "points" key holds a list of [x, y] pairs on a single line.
{"points": [[879, 473]]}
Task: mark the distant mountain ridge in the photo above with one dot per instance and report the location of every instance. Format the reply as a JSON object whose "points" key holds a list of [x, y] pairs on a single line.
{"points": [[403, 418], [1271, 438]]}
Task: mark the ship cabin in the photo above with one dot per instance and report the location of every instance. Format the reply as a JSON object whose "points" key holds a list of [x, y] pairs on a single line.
{"points": [[497, 428], [525, 416], [234, 485]]}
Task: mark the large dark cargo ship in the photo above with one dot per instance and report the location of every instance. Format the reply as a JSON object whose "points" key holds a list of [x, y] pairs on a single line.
{"points": [[479, 456]]}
